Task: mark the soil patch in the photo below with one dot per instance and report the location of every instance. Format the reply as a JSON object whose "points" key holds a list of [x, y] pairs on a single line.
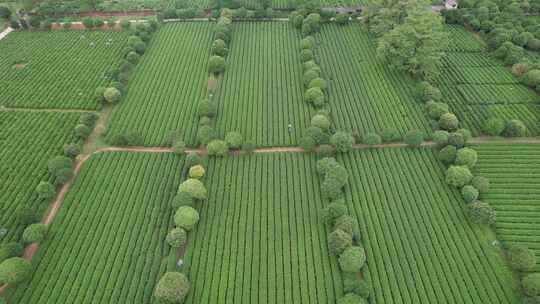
{"points": [[20, 65]]}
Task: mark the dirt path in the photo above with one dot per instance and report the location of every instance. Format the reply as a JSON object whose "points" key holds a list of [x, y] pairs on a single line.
{"points": [[9, 109], [504, 140], [5, 32]]}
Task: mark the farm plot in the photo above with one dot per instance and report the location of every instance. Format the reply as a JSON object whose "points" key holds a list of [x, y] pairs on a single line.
{"points": [[28, 140], [478, 87], [170, 81], [261, 92], [57, 69], [364, 94], [260, 238], [514, 174], [420, 246], [107, 243]]}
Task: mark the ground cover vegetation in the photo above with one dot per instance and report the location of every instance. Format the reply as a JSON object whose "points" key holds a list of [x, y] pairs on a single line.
{"points": [[131, 255], [57, 69]]}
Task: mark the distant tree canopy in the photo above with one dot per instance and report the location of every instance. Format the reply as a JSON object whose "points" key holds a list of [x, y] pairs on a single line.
{"points": [[411, 38]]}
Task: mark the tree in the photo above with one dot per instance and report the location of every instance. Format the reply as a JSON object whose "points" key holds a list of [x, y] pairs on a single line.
{"points": [[207, 108], [342, 18], [331, 188], [172, 288], [5, 13], [14, 270], [414, 138], [458, 176], [192, 159], [194, 187], [521, 258], [34, 233], [318, 83], [125, 24], [248, 146], [338, 241], [196, 171], [306, 55], [307, 143], [133, 57], [469, 193], [307, 43], [320, 121], [177, 237], [59, 162], [440, 138], [82, 131], [481, 183], [448, 154], [456, 139], [482, 213], [352, 298], [182, 199], [348, 224], [205, 134], [494, 126], [179, 147], [219, 48], [448, 122], [342, 141], [88, 23], [515, 128], [217, 148], [325, 150], [186, 217], [9, 250], [112, 95], [216, 64], [417, 45], [531, 284], [314, 96], [45, 190], [466, 157], [353, 284], [333, 211], [234, 140], [390, 135], [371, 139], [325, 164], [72, 150], [352, 259]]}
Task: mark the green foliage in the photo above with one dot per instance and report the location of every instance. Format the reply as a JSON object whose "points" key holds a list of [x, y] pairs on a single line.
{"points": [[338, 241], [348, 224], [248, 146], [466, 157], [82, 131], [515, 128], [179, 147], [205, 134], [448, 122], [342, 141], [469, 193], [521, 258], [314, 96], [182, 199], [306, 55], [352, 298], [494, 126], [532, 78], [353, 284], [177, 237], [234, 140], [186, 217], [307, 43], [531, 284], [10, 250], [414, 138], [342, 18], [307, 143], [352, 259], [219, 48], [216, 64], [456, 139], [320, 121], [45, 190], [325, 150], [196, 171], [57, 163], [440, 138], [34, 233], [112, 95], [217, 148], [318, 83], [14, 270], [448, 154], [390, 135], [194, 187], [371, 139], [333, 211], [172, 288], [458, 176], [482, 213], [481, 183], [436, 109]]}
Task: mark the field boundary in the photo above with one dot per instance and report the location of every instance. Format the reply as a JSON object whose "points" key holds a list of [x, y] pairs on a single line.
{"points": [[59, 110]]}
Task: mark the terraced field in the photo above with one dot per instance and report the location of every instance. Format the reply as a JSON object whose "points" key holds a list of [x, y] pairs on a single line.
{"points": [[514, 173], [28, 140], [478, 87], [260, 239], [168, 85], [261, 91], [57, 69], [364, 94], [107, 243], [420, 246]]}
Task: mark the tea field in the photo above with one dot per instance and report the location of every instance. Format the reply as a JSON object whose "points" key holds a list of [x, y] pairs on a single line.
{"points": [[106, 245], [514, 173], [57, 69]]}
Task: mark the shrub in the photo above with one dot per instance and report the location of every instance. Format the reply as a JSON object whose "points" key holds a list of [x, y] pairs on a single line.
{"points": [[325, 164], [216, 64], [196, 171], [448, 122], [466, 157], [219, 48], [314, 96], [519, 69], [521, 258], [325, 150], [5, 13], [390, 135], [436, 109], [531, 284], [234, 140], [133, 57], [82, 131], [125, 24], [45, 190], [217, 148], [371, 139], [306, 55], [514, 128], [307, 43], [428, 92], [352, 298], [331, 188], [456, 139], [448, 154], [182, 199], [248, 146], [458, 176], [465, 133], [494, 126], [482, 213], [205, 134], [192, 159], [194, 187], [342, 141], [186, 217], [34, 233], [88, 23], [320, 121], [72, 150], [318, 83], [98, 22], [140, 47], [177, 237], [338, 241], [311, 66], [414, 138], [307, 143], [207, 108], [353, 284], [179, 147], [58, 162], [9, 250], [481, 183], [532, 78], [352, 259], [27, 215], [348, 224], [333, 211], [469, 193], [112, 95], [14, 270], [317, 134], [440, 138], [173, 287], [342, 18]]}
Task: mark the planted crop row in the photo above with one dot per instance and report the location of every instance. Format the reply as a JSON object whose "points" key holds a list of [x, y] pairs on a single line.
{"points": [[29, 140], [462, 40], [497, 94], [514, 173], [366, 95], [261, 91], [420, 246], [260, 238], [57, 69], [171, 79], [106, 244]]}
